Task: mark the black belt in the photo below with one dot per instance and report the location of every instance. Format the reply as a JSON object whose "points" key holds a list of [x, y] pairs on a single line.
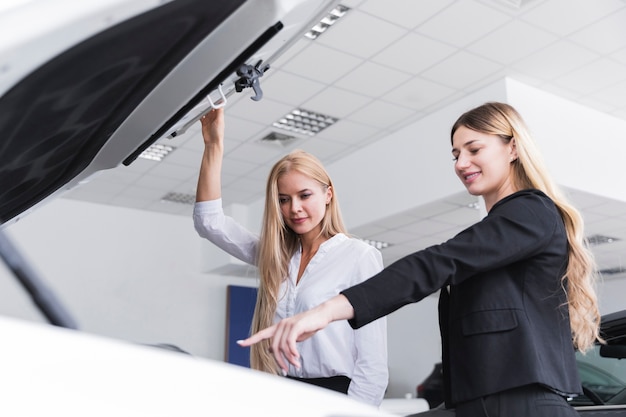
{"points": [[338, 383]]}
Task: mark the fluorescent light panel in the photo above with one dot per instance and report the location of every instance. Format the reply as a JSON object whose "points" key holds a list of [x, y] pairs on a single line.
{"points": [[156, 152], [327, 21]]}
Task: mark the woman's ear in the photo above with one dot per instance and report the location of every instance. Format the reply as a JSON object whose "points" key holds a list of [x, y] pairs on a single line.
{"points": [[513, 150], [329, 194]]}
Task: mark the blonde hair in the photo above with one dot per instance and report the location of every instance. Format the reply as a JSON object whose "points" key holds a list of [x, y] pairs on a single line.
{"points": [[278, 243], [529, 172]]}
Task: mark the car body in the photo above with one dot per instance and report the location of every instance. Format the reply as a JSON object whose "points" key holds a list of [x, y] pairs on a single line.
{"points": [[431, 388], [602, 372], [50, 370]]}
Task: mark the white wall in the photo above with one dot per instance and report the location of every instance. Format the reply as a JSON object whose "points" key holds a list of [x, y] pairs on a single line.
{"points": [[582, 147], [122, 273]]}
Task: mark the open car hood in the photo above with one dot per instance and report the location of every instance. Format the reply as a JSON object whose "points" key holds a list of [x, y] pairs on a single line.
{"points": [[91, 87]]}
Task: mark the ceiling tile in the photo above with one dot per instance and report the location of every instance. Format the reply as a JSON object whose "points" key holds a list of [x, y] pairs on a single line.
{"points": [[589, 78], [336, 102], [563, 17], [413, 53], [238, 130], [175, 171], [259, 111], [322, 64], [555, 60], [290, 88], [463, 216], [406, 14], [427, 227], [605, 36], [613, 95], [512, 42], [372, 80], [373, 34], [184, 157], [324, 149], [257, 152], [474, 69], [419, 94], [381, 114], [451, 25], [348, 132]]}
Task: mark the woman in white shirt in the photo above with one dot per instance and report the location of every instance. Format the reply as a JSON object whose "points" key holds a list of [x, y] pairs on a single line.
{"points": [[304, 256]]}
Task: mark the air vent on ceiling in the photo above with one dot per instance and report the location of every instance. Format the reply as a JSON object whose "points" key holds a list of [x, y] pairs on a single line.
{"points": [[305, 122], [612, 271], [179, 198], [595, 240], [278, 138]]}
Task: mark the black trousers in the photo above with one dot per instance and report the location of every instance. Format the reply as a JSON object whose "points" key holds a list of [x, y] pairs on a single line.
{"points": [[527, 401], [338, 383]]}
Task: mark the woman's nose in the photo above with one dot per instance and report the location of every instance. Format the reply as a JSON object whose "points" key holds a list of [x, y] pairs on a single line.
{"points": [[461, 162], [295, 205]]}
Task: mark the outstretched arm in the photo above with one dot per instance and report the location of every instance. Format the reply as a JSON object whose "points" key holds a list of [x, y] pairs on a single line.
{"points": [[209, 180], [300, 327]]}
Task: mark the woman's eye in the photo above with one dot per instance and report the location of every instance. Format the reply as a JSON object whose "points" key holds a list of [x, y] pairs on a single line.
{"points": [[282, 200], [305, 196]]}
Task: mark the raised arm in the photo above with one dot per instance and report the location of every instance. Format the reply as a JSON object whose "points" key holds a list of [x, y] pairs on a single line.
{"points": [[300, 327], [210, 178]]}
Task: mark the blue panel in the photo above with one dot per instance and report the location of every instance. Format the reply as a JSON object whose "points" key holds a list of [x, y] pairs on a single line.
{"points": [[240, 308]]}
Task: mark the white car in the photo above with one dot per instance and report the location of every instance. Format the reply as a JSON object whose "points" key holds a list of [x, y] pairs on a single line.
{"points": [[86, 86]]}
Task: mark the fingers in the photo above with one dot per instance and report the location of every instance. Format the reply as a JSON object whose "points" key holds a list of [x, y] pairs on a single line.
{"points": [[257, 337], [283, 344]]}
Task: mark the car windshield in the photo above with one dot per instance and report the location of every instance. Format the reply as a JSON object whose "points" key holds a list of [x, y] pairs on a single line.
{"points": [[603, 379]]}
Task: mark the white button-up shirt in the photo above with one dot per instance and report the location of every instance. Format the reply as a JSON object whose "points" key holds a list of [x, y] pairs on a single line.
{"points": [[339, 263]]}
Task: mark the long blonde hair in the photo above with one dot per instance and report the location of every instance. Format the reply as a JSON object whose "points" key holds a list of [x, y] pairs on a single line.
{"points": [[278, 243], [529, 172]]}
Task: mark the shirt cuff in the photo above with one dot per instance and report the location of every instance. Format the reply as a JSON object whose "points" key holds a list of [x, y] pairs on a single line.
{"points": [[208, 207]]}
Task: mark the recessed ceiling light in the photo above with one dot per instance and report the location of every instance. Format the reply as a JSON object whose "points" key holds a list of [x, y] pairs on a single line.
{"points": [[156, 152], [327, 21], [305, 122]]}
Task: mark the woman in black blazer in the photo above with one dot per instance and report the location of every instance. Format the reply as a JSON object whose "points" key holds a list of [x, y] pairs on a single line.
{"points": [[517, 295]]}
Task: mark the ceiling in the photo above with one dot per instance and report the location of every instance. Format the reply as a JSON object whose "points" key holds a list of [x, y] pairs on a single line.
{"points": [[385, 65]]}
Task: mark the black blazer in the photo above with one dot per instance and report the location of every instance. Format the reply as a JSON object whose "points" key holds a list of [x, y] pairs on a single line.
{"points": [[504, 323]]}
